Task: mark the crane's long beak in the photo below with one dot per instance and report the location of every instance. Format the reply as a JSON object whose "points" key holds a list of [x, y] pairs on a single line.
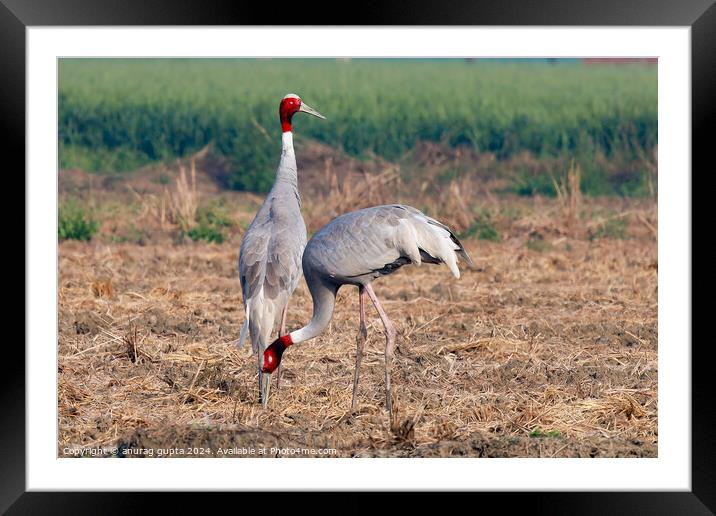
{"points": [[265, 388], [308, 109]]}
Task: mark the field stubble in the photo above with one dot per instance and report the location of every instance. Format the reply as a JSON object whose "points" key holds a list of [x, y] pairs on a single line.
{"points": [[541, 351]]}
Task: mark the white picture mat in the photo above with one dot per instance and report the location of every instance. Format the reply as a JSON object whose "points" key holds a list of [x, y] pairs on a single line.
{"points": [[670, 471]]}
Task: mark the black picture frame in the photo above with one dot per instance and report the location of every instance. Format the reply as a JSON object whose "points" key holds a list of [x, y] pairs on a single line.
{"points": [[17, 15]]}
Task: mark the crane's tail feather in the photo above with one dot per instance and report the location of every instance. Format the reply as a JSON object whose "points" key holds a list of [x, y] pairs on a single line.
{"points": [[261, 314], [463, 254], [245, 327], [424, 239], [460, 248]]}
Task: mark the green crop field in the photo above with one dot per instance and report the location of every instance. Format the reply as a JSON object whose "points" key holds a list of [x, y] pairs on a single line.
{"points": [[120, 114]]}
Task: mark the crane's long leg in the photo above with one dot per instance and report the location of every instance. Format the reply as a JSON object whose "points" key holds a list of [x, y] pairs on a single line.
{"points": [[360, 343], [389, 345], [281, 333]]}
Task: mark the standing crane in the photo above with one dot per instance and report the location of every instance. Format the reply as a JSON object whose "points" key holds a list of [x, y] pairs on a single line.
{"points": [[270, 256], [355, 249]]}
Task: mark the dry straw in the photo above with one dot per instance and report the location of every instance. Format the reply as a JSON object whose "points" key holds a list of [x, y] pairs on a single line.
{"points": [[525, 357], [540, 351]]}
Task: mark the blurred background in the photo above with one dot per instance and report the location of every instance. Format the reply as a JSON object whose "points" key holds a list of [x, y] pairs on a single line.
{"points": [[437, 133]]}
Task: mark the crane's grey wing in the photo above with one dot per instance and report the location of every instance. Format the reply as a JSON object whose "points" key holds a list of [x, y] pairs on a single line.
{"points": [[376, 241], [271, 251], [283, 263], [252, 259], [353, 245], [269, 270], [270, 262]]}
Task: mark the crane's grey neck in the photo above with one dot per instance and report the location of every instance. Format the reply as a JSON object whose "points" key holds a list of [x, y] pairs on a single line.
{"points": [[324, 300], [287, 170]]}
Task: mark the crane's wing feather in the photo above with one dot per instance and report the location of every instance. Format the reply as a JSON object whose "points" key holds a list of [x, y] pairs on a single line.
{"points": [[379, 240], [270, 258], [283, 263], [252, 260], [269, 270]]}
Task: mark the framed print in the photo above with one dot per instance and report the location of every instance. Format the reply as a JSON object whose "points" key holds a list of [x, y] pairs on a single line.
{"points": [[204, 193]]}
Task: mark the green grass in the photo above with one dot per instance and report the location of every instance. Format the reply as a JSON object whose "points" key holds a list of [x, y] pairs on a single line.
{"points": [[482, 228], [132, 234], [538, 432], [211, 223], [121, 114], [74, 223], [206, 233], [614, 227]]}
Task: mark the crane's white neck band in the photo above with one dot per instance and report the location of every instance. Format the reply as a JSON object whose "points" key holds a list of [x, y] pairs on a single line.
{"points": [[308, 332], [287, 166], [287, 142]]}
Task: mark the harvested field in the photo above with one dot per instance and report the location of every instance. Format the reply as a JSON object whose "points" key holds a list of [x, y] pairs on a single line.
{"points": [[547, 170], [547, 349]]}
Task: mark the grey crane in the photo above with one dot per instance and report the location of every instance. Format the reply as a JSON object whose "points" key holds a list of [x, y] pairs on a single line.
{"points": [[270, 256], [355, 249]]}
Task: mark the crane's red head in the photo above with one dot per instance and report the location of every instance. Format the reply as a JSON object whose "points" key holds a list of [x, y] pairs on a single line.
{"points": [[273, 353], [290, 105]]}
